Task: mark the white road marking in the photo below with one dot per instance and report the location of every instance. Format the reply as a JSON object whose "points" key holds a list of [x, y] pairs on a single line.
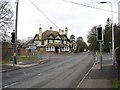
{"points": [[9, 85], [85, 76]]}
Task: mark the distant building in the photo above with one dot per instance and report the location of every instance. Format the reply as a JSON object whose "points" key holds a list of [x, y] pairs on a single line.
{"points": [[28, 48], [119, 13], [52, 41]]}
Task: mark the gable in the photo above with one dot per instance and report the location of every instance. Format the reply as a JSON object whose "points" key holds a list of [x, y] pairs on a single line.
{"points": [[58, 37], [50, 36], [64, 38], [36, 38]]}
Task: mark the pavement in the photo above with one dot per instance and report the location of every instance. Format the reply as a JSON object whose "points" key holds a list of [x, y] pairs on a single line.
{"points": [[99, 78], [19, 65]]}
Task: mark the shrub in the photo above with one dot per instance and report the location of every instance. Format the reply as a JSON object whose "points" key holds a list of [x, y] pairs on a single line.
{"points": [[117, 51], [6, 52]]}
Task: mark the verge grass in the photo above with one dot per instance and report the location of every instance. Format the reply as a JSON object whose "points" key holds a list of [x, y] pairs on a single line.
{"points": [[19, 59], [116, 83]]}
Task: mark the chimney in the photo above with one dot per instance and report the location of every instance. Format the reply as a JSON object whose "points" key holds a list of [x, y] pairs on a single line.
{"points": [[66, 31], [60, 31], [50, 28], [40, 33]]}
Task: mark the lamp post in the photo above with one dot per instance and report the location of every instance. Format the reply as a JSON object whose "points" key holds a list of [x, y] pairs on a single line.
{"points": [[113, 47]]}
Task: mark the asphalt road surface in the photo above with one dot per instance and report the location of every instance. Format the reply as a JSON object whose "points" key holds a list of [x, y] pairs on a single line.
{"points": [[60, 72]]}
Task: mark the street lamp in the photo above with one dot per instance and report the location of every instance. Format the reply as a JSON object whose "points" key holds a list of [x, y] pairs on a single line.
{"points": [[113, 47]]}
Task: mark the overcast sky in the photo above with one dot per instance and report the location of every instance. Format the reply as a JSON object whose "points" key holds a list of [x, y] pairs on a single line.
{"points": [[79, 19]]}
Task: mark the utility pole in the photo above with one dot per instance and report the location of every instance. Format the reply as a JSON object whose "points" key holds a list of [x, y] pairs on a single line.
{"points": [[15, 45]]}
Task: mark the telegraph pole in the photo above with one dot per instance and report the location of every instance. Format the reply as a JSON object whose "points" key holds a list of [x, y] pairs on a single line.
{"points": [[15, 45]]}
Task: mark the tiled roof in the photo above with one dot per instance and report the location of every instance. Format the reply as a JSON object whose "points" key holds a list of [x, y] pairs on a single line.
{"points": [[48, 32], [62, 35], [28, 42]]}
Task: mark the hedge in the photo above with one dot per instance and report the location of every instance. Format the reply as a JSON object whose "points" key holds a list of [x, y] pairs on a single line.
{"points": [[117, 51]]}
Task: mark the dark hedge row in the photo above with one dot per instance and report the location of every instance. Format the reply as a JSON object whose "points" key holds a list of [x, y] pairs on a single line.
{"points": [[117, 51]]}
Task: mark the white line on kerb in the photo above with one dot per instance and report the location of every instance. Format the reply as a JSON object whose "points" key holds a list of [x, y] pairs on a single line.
{"points": [[85, 75], [9, 85]]}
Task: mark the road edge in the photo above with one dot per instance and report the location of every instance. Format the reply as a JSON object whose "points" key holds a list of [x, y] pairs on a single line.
{"points": [[85, 75], [31, 65]]}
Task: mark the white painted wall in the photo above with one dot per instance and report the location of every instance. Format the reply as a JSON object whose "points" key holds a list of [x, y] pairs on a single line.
{"points": [[45, 42]]}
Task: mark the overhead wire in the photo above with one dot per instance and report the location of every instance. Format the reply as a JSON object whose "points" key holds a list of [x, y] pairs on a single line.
{"points": [[89, 6], [43, 14], [69, 2]]}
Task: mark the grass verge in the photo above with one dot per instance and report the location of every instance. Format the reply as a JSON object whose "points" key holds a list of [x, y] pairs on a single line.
{"points": [[116, 84], [19, 59]]}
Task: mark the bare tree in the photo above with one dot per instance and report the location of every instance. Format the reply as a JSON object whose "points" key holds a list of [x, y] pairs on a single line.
{"points": [[6, 21]]}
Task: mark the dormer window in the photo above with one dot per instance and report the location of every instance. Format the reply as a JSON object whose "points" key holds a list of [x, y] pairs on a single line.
{"points": [[58, 41], [50, 41]]}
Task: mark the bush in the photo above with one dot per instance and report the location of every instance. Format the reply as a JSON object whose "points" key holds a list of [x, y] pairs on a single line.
{"points": [[6, 52], [117, 51], [115, 84]]}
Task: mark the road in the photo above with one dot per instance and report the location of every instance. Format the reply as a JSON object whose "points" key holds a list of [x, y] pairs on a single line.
{"points": [[60, 72]]}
